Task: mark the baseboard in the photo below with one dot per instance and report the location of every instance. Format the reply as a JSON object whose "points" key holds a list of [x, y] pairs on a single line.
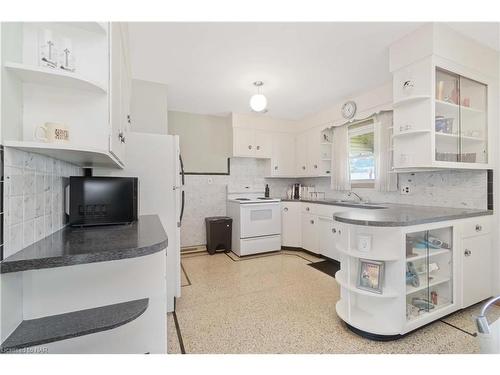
{"points": [[291, 248]]}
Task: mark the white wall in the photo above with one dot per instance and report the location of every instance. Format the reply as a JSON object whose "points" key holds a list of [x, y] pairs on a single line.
{"points": [[367, 102], [148, 107], [206, 141]]}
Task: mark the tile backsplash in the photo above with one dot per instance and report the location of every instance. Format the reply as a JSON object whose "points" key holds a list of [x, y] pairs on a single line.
{"points": [[33, 197], [206, 195], [447, 188]]}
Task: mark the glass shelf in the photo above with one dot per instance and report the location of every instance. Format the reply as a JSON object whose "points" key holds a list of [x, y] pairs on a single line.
{"points": [[429, 271]]}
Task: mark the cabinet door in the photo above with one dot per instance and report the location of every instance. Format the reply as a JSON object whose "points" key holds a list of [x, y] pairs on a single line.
{"points": [[263, 144], [283, 155], [476, 269], [310, 233], [473, 121], [243, 142], [314, 152], [327, 238], [301, 155], [291, 231], [117, 117]]}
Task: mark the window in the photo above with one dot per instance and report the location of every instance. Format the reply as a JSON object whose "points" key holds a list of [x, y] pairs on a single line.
{"points": [[362, 155]]}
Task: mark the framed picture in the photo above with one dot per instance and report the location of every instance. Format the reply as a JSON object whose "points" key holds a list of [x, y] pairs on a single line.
{"points": [[371, 275]]}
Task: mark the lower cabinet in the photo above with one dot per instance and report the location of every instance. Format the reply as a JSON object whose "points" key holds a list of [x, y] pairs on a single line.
{"points": [[291, 230], [327, 238], [476, 269], [310, 233]]}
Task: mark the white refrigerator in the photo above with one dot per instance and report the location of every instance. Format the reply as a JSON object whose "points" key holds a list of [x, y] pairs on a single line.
{"points": [[155, 159]]}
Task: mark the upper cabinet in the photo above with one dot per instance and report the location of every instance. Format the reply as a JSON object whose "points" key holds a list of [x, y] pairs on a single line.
{"points": [[251, 143], [443, 101], [283, 155], [289, 154], [55, 82], [120, 90], [314, 152], [440, 118]]}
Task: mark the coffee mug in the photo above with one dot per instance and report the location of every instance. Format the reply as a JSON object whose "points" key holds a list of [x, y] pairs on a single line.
{"points": [[52, 132]]}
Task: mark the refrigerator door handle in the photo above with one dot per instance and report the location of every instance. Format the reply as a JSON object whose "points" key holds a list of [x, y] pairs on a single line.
{"points": [[182, 207], [182, 169]]}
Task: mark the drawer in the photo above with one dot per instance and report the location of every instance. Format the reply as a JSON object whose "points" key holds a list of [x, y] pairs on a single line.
{"points": [[310, 208], [257, 245], [477, 226]]}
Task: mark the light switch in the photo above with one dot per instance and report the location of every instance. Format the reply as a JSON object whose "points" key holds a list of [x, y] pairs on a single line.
{"points": [[364, 243]]}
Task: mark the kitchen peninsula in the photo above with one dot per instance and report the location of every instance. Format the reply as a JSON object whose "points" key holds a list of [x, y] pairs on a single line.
{"points": [[88, 290]]}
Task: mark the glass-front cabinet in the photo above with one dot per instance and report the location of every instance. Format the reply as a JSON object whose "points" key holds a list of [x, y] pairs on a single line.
{"points": [[429, 271], [440, 117], [461, 128]]}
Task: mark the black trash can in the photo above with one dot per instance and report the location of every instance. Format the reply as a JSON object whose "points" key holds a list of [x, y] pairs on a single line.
{"points": [[219, 229]]}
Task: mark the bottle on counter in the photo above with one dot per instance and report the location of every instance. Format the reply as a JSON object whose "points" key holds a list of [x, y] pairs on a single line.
{"points": [[266, 194]]}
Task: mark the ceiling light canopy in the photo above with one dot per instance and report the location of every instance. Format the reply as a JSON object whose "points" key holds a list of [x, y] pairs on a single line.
{"points": [[258, 102]]}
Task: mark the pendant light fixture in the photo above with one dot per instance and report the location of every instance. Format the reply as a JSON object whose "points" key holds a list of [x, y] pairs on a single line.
{"points": [[258, 102]]}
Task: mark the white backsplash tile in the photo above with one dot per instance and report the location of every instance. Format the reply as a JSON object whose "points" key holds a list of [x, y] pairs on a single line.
{"points": [[33, 197], [453, 188]]}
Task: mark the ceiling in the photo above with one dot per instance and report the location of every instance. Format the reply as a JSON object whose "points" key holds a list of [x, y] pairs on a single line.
{"points": [[305, 67]]}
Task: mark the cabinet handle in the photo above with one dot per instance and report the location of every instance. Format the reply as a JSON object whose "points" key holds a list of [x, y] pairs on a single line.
{"points": [[128, 119], [258, 147], [467, 253], [121, 137], [285, 209], [275, 167], [249, 147], [304, 167], [315, 166], [334, 230], [307, 208], [403, 128], [312, 221], [479, 228]]}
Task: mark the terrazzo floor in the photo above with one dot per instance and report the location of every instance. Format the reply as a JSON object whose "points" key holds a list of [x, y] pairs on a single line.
{"points": [[276, 303]]}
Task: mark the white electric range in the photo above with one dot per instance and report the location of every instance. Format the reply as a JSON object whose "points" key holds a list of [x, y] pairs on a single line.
{"points": [[256, 221]]}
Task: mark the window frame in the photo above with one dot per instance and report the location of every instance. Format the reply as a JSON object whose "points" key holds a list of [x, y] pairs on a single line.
{"points": [[356, 129]]}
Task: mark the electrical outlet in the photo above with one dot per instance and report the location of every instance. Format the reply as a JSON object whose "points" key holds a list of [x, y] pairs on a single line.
{"points": [[407, 185], [405, 189]]}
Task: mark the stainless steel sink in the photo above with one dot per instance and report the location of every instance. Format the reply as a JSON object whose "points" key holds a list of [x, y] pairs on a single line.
{"points": [[369, 206]]}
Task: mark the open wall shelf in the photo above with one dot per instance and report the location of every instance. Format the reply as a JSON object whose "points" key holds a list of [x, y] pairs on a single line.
{"points": [[78, 155], [53, 328], [53, 77]]}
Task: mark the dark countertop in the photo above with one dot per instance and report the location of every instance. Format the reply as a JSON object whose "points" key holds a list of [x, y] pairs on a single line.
{"points": [[71, 246], [396, 215], [73, 324]]}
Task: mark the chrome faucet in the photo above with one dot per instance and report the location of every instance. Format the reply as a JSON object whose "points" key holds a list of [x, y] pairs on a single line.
{"points": [[350, 193]]}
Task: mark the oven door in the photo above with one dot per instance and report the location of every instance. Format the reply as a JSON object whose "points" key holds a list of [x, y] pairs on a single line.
{"points": [[260, 219]]}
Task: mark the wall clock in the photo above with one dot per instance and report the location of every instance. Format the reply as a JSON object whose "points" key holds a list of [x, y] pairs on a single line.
{"points": [[348, 110]]}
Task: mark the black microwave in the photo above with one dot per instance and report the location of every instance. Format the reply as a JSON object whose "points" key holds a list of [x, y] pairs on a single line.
{"points": [[102, 200]]}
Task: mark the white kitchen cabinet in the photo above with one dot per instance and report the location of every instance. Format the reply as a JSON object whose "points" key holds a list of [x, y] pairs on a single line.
{"points": [[442, 116], [283, 155], [327, 238], [119, 91], [476, 269], [291, 232], [313, 153], [249, 142], [301, 161], [310, 233], [82, 95]]}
